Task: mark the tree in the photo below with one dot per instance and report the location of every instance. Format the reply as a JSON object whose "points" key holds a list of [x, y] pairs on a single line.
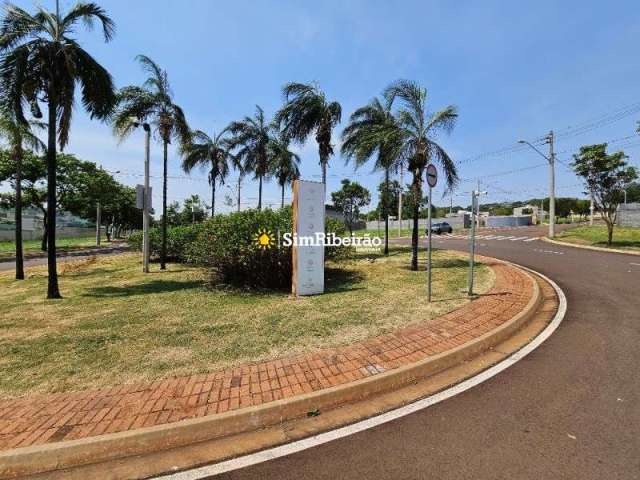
{"points": [[40, 61], [251, 136], [284, 162], [633, 192], [307, 111], [153, 102], [19, 137], [605, 176], [373, 132], [349, 200], [417, 131], [213, 152]]}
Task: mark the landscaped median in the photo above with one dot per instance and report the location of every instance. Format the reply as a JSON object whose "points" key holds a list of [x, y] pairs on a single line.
{"points": [[625, 239], [140, 427]]}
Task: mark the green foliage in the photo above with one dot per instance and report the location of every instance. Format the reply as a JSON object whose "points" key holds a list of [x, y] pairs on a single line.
{"points": [[227, 245], [349, 200], [180, 240], [605, 176]]}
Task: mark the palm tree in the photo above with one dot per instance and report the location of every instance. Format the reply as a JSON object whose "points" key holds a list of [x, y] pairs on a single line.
{"points": [[251, 136], [19, 136], [153, 102], [284, 162], [374, 133], [307, 110], [204, 150], [41, 61], [419, 149]]}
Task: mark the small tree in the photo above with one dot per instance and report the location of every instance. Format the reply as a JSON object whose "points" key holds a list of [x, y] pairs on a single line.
{"points": [[605, 176], [349, 200]]}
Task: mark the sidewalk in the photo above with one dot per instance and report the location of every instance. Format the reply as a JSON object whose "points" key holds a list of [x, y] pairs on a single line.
{"points": [[69, 416]]}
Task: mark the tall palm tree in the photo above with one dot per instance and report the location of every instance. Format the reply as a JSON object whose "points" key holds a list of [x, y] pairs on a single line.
{"points": [[374, 133], [19, 137], [40, 61], [251, 136], [204, 150], [306, 111], [153, 102], [284, 162], [419, 148]]}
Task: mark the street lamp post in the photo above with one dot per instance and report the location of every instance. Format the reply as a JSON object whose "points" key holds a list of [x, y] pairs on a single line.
{"points": [[552, 180], [146, 202]]}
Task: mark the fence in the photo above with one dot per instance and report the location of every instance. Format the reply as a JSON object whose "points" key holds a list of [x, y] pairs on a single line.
{"points": [[7, 233]]}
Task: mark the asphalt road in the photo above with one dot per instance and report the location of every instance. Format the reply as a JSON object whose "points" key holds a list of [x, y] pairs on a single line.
{"points": [[34, 262], [569, 410]]}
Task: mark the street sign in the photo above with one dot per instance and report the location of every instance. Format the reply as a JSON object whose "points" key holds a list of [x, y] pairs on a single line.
{"points": [[140, 197], [432, 175]]}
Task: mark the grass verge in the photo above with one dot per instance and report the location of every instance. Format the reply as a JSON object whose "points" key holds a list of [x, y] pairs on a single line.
{"points": [[625, 238], [8, 249], [116, 325]]}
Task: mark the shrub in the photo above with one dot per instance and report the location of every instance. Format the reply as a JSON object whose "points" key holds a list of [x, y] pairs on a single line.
{"points": [[227, 245], [179, 241]]}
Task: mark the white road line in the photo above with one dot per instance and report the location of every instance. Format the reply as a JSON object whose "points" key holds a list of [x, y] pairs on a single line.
{"points": [[531, 239], [517, 239], [315, 440], [637, 264]]}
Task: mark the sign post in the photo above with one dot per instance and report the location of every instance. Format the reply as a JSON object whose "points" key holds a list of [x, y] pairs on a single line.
{"points": [[432, 180], [308, 222]]}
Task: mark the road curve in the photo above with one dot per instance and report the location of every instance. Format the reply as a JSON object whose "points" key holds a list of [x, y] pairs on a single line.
{"points": [[569, 410]]}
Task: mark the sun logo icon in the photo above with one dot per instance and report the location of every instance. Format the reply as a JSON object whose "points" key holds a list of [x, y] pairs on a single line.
{"points": [[264, 239]]}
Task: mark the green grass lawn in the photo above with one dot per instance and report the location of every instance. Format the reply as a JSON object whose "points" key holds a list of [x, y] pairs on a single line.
{"points": [[117, 325], [8, 249], [626, 238]]}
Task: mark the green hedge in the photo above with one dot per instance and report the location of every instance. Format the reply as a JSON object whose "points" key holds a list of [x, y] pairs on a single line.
{"points": [[179, 241]]}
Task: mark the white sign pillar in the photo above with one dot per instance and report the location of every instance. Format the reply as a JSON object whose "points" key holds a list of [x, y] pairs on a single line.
{"points": [[308, 255]]}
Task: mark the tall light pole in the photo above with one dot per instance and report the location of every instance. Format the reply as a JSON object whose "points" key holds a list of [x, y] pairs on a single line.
{"points": [[552, 180], [146, 202]]}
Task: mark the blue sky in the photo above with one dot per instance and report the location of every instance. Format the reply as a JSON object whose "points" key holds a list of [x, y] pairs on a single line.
{"points": [[513, 69]]}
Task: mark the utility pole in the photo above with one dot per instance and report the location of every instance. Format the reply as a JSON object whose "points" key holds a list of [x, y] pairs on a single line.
{"points": [[400, 200], [475, 206], [478, 205], [552, 179], [98, 222], [552, 187], [239, 183], [146, 200]]}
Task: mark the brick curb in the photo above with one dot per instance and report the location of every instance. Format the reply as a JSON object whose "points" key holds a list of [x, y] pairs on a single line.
{"points": [[118, 446], [589, 247]]}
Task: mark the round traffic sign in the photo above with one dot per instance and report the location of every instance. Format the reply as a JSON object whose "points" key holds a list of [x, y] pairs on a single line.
{"points": [[432, 175]]}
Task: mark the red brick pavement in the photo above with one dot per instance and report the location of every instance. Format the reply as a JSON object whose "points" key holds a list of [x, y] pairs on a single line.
{"points": [[53, 418]]}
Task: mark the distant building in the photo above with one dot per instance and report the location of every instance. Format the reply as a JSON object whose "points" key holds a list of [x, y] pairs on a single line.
{"points": [[67, 225]]}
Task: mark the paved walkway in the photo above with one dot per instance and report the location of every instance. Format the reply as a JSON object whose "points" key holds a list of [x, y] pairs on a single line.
{"points": [[44, 419]]}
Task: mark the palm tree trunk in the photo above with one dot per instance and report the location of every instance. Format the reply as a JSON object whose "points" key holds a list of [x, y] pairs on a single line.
{"points": [[323, 165], [260, 193], [213, 196], [386, 212], [163, 251], [53, 290], [239, 185], [18, 214], [417, 195]]}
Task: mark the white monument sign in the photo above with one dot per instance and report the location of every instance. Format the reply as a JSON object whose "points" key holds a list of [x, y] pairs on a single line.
{"points": [[308, 220]]}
